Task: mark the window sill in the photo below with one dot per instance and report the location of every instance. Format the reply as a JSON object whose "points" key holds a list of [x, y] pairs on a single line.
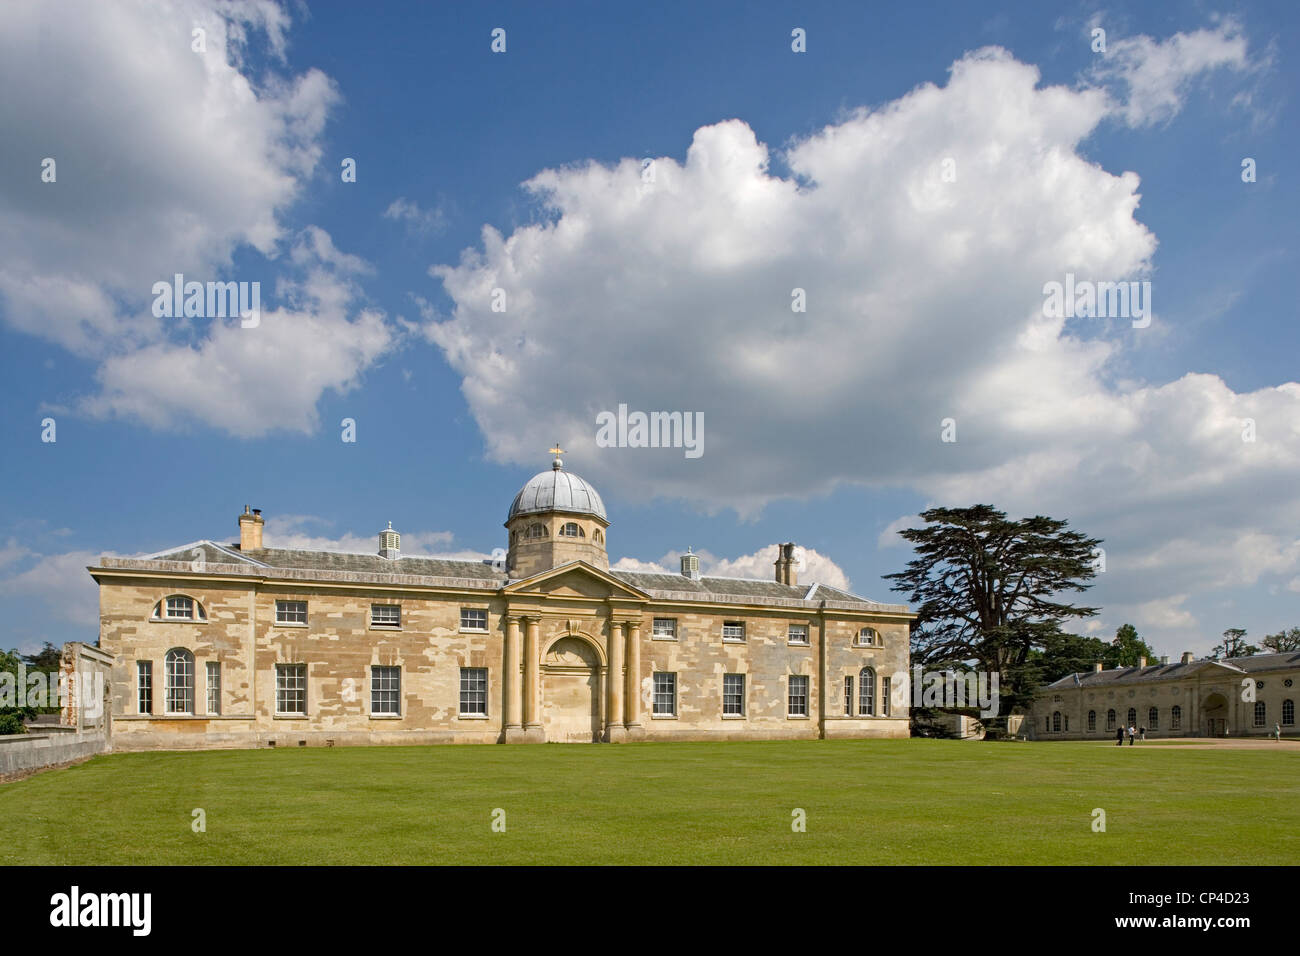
{"points": [[385, 627], [471, 716], [289, 624], [290, 717], [734, 640], [385, 716], [663, 716], [798, 644], [797, 717], [670, 640], [734, 716], [474, 630]]}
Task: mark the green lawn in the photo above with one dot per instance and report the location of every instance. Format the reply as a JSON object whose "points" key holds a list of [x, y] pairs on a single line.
{"points": [[890, 802]]}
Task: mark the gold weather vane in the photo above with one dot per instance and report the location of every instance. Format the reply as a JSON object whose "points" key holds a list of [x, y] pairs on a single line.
{"points": [[557, 450]]}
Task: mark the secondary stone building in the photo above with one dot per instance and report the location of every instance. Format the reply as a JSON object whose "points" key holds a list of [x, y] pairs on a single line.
{"points": [[1236, 697], [242, 645]]}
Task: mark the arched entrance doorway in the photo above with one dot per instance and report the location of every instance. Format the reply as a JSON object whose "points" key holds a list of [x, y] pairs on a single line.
{"points": [[571, 692], [1214, 715]]}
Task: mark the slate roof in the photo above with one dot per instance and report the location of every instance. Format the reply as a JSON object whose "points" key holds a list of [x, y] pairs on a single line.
{"points": [[1159, 672], [361, 568]]}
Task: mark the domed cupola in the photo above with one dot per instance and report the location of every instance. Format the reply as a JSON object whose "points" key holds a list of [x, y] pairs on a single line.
{"points": [[556, 517]]}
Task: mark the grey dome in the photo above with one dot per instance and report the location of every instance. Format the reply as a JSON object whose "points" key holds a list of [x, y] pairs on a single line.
{"points": [[557, 490]]}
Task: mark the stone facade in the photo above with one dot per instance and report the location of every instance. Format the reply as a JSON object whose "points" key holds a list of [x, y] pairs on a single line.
{"points": [[241, 645], [1236, 697]]}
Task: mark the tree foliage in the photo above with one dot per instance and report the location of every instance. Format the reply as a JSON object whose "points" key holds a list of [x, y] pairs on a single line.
{"points": [[1234, 644], [986, 590], [1283, 642]]}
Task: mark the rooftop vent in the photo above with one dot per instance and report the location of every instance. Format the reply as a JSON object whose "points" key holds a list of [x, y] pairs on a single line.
{"points": [[691, 565], [1187, 657], [390, 543]]}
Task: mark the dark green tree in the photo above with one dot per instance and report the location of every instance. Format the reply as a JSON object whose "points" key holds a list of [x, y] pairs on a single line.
{"points": [[1283, 642], [1127, 647], [12, 715], [986, 590], [1234, 644]]}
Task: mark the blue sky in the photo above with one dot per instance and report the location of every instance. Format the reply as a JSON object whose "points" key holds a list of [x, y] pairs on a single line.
{"points": [[821, 428]]}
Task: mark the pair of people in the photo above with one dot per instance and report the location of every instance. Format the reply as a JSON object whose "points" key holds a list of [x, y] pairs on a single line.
{"points": [[1132, 733]]}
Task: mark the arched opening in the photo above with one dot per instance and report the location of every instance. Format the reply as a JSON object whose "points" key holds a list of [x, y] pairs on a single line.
{"points": [[1215, 715], [571, 674]]}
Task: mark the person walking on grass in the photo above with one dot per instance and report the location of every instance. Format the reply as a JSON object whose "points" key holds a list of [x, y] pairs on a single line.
{"points": [[1142, 733], [1277, 732], [1132, 732], [1119, 737]]}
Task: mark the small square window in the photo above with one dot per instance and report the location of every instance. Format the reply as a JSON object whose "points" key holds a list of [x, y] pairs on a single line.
{"points": [[473, 619], [290, 612], [665, 629], [798, 634], [385, 615], [733, 630]]}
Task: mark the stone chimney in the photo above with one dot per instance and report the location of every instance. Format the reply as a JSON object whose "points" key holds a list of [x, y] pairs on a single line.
{"points": [[691, 565], [1097, 667], [390, 543], [1187, 657], [250, 530], [1164, 660], [1142, 662], [786, 571]]}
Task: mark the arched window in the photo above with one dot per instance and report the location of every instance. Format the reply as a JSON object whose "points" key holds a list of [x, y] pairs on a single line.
{"points": [[1132, 717], [178, 607], [1056, 722], [536, 531], [571, 530], [1153, 718], [1092, 721], [1261, 713], [597, 537], [866, 692], [1175, 717], [1288, 713], [1110, 719], [868, 637], [180, 681]]}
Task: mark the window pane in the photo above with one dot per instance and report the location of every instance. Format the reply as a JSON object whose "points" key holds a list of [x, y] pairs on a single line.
{"points": [[473, 691], [179, 673], [798, 705], [214, 687], [144, 678], [385, 690], [385, 615]]}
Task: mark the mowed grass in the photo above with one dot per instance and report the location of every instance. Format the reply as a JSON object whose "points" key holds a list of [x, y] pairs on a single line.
{"points": [[867, 802]]}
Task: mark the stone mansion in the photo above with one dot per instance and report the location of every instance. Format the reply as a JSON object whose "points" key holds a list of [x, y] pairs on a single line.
{"points": [[245, 645]]}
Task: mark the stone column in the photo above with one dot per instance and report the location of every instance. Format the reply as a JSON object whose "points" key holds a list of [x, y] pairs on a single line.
{"points": [[532, 662], [632, 697], [512, 681], [614, 680]]}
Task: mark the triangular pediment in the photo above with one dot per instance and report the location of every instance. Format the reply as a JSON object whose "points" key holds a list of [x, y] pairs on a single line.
{"points": [[577, 579]]}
